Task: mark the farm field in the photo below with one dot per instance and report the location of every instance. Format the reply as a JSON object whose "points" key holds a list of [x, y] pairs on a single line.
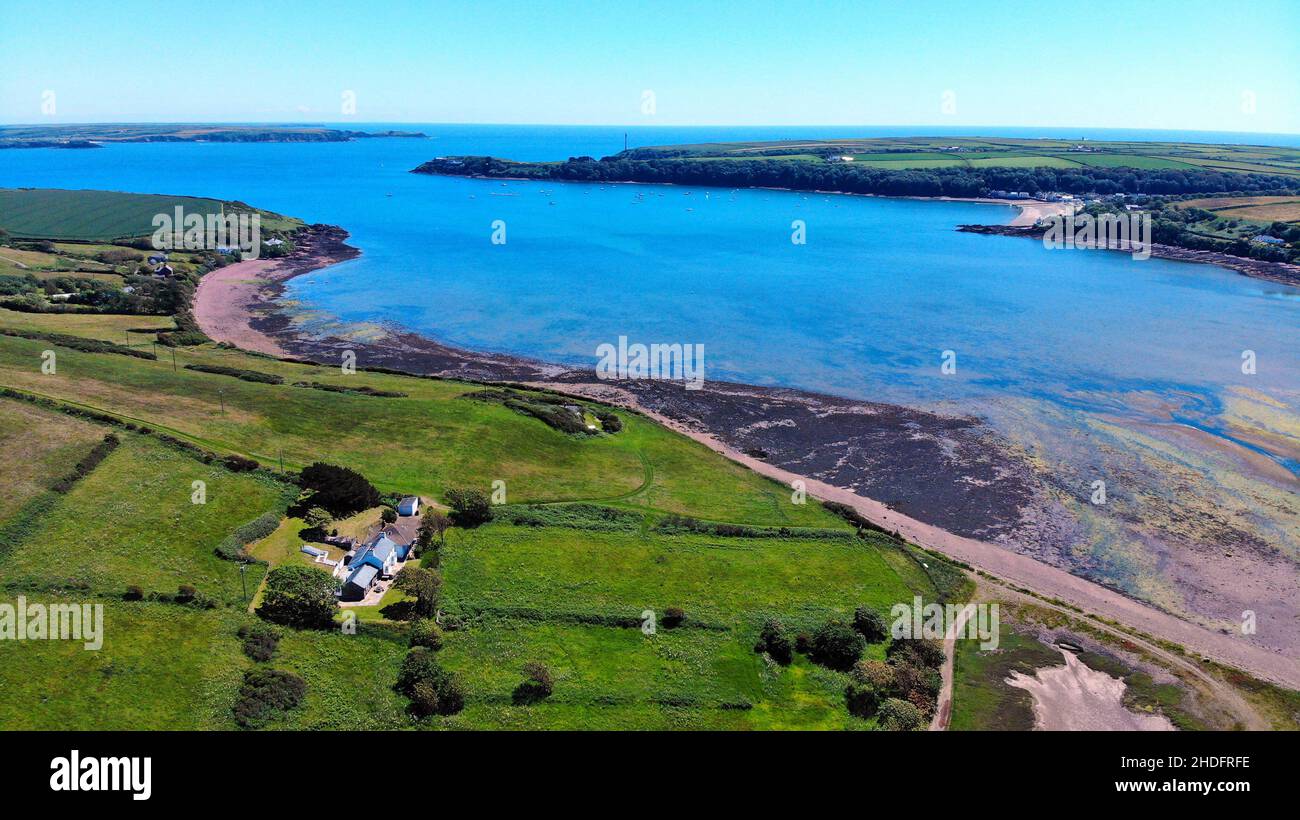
{"points": [[727, 582], [102, 216], [431, 440], [39, 448], [161, 667], [1258, 208], [982, 152], [133, 522]]}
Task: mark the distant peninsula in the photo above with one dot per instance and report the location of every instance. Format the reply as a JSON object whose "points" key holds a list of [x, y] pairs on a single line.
{"points": [[1237, 201], [96, 135]]}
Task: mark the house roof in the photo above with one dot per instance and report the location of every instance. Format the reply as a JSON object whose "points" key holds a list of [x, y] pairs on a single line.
{"points": [[383, 547], [364, 576]]}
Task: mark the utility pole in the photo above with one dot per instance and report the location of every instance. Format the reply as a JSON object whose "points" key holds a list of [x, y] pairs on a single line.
{"points": [[243, 580], [281, 461], [222, 393], [173, 360]]}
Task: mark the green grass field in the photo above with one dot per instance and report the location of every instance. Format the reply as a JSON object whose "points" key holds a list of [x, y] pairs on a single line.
{"points": [[570, 574], [431, 440], [39, 448], [101, 216], [133, 522], [569, 597], [896, 153]]}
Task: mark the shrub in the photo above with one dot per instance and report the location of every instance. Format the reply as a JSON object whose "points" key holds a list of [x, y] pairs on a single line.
{"points": [[910, 679], [871, 683], [339, 490], [869, 624], [299, 596], [673, 617], [265, 695], [426, 632], [537, 683], [803, 643], [836, 645], [238, 373], [388, 515], [239, 464], [609, 421], [433, 524], [260, 641], [232, 546], [133, 593], [424, 584], [775, 641], [87, 465], [185, 594], [431, 688], [469, 507], [182, 338], [317, 519], [876, 674], [861, 700], [899, 716], [916, 651]]}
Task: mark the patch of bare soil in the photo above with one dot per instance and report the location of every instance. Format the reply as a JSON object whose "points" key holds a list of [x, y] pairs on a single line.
{"points": [[1075, 697]]}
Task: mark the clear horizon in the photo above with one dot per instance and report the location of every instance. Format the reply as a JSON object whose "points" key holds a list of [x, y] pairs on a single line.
{"points": [[842, 64]]}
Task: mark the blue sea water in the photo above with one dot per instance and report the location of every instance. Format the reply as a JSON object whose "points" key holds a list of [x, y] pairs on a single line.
{"points": [[864, 309]]}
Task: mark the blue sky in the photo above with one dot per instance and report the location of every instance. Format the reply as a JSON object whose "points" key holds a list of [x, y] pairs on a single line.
{"points": [[1151, 64]]}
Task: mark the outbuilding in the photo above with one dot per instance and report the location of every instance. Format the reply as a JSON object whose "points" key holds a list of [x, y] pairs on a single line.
{"points": [[409, 506]]}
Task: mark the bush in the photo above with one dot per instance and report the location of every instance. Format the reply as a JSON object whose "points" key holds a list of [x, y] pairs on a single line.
{"points": [[899, 716], [265, 695], [426, 632], [246, 375], [260, 641], [537, 683], [870, 625], [469, 507], [185, 594], [317, 519], [84, 467], [341, 491], [182, 338], [239, 464], [609, 421], [836, 645], [299, 596], [424, 584], [861, 700], [232, 546], [775, 641], [916, 651], [803, 643], [433, 524], [388, 515], [133, 593], [431, 689], [673, 617], [871, 683]]}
